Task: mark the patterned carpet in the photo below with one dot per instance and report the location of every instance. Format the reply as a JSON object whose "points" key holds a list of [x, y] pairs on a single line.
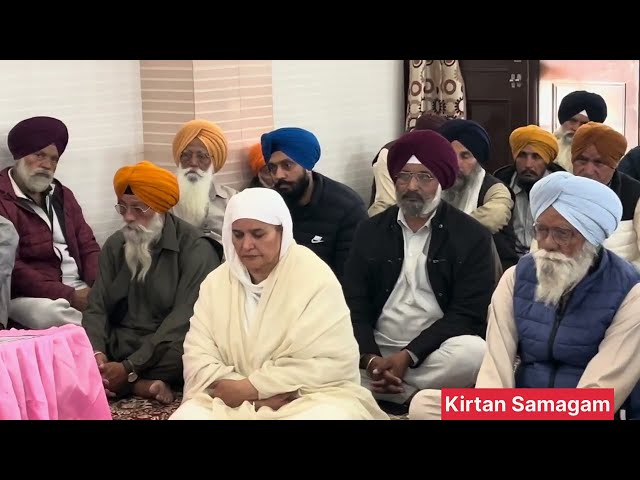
{"points": [[134, 408]]}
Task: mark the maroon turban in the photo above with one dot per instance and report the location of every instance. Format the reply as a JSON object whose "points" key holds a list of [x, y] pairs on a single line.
{"points": [[34, 134], [431, 149], [430, 121]]}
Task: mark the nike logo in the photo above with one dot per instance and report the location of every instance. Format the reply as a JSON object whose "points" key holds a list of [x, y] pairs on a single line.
{"points": [[317, 239]]}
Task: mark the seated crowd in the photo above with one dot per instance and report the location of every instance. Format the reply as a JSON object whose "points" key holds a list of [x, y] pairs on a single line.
{"points": [[293, 299]]}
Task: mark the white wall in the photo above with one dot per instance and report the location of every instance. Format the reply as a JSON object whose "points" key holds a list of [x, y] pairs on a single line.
{"points": [[354, 107], [100, 103]]}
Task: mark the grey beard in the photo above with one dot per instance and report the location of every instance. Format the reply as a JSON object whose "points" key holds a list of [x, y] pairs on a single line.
{"points": [[137, 247]]}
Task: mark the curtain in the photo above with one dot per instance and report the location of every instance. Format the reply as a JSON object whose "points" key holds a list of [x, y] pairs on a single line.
{"points": [[434, 86]]}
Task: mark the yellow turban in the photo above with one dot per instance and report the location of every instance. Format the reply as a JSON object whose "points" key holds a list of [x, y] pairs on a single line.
{"points": [[153, 185], [609, 143], [543, 143], [208, 133]]}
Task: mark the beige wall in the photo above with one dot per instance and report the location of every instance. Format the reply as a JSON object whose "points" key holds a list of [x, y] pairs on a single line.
{"points": [[235, 94]]}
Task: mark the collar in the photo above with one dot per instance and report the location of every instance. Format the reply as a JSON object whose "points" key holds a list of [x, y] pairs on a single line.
{"points": [[516, 188], [20, 194], [221, 191], [403, 221], [169, 239]]}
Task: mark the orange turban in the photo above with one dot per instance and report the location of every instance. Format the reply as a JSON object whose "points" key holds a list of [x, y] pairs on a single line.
{"points": [[153, 185], [256, 160], [208, 133], [609, 143], [543, 143]]}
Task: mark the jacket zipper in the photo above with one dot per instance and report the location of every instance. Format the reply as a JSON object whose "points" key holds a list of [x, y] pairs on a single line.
{"points": [[552, 339]]}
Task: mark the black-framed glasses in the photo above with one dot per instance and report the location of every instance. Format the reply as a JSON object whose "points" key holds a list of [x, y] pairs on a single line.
{"points": [[421, 177], [122, 209], [562, 236]]}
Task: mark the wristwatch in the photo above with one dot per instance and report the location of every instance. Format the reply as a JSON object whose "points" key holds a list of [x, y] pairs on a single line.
{"points": [[132, 375]]}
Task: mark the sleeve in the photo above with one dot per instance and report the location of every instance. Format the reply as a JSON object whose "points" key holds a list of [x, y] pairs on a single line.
{"points": [[636, 229], [87, 244], [496, 211], [354, 216], [385, 189]]}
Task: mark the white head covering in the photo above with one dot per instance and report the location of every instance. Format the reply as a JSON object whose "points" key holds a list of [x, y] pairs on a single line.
{"points": [[261, 204]]}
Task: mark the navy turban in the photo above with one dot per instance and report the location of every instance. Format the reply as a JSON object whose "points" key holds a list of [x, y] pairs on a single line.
{"points": [[470, 134], [580, 100], [591, 207], [298, 144], [431, 149], [36, 133]]}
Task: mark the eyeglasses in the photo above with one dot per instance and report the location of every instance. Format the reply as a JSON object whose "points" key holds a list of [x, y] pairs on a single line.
{"points": [[187, 155], [561, 236], [122, 209], [422, 177]]}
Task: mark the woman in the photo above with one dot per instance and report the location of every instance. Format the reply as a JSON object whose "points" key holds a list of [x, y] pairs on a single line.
{"points": [[271, 335]]}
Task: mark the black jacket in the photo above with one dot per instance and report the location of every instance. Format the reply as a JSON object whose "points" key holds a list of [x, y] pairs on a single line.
{"points": [[460, 267], [328, 222]]}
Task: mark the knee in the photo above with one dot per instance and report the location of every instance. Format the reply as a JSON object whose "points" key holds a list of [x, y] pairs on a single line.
{"points": [[425, 405], [467, 358]]}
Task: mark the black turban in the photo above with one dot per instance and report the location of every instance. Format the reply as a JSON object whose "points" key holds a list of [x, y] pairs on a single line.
{"points": [[580, 100]]}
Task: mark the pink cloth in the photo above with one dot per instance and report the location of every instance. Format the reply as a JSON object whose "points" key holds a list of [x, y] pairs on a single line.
{"points": [[50, 375]]}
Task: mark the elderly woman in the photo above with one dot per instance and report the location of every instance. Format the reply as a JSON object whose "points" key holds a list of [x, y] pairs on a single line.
{"points": [[271, 335]]}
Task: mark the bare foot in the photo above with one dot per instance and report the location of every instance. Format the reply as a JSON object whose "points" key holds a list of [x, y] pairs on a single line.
{"points": [[154, 390]]}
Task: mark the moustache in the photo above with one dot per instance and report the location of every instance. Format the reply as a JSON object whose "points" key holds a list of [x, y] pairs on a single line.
{"points": [[412, 196], [42, 173], [280, 183], [528, 172]]}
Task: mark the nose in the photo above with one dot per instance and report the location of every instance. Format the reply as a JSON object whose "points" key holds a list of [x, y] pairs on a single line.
{"points": [[247, 243], [129, 216], [548, 243], [279, 173], [589, 170], [46, 163], [530, 163], [413, 184]]}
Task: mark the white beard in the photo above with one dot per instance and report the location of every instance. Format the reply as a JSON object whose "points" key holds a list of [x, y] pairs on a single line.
{"points": [[138, 243], [194, 194], [36, 181], [413, 209], [557, 273]]}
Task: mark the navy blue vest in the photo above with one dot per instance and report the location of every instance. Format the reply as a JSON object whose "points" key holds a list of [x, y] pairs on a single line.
{"points": [[555, 347]]}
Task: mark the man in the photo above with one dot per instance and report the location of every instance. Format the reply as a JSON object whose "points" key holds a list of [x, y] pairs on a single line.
{"points": [[199, 151], [533, 150], [57, 258], [325, 213], [150, 275], [596, 151], [570, 310], [259, 168], [478, 193], [419, 279], [383, 192], [576, 109], [8, 245]]}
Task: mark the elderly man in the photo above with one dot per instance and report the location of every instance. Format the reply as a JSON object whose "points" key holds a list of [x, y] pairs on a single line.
{"points": [[325, 213], [419, 279], [576, 109], [533, 150], [570, 310], [150, 275], [8, 246], [259, 168], [200, 151], [478, 193], [383, 190], [596, 151], [57, 258]]}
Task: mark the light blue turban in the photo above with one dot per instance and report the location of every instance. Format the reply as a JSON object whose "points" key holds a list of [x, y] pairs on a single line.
{"points": [[591, 207]]}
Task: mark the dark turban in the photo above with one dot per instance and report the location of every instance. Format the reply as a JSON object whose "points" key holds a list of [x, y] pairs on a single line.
{"points": [[430, 121], [431, 149], [36, 133], [576, 102], [298, 144], [470, 134], [155, 186], [609, 143]]}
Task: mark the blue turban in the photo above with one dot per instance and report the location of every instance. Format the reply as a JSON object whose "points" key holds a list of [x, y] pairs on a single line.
{"points": [[591, 207], [470, 134], [298, 144]]}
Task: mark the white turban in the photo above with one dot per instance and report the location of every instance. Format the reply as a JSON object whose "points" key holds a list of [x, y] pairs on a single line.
{"points": [[591, 207]]}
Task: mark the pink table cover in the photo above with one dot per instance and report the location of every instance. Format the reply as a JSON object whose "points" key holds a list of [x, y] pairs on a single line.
{"points": [[50, 375]]}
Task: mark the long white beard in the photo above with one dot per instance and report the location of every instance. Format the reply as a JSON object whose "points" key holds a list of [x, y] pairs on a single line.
{"points": [[557, 273], [137, 247], [194, 194]]}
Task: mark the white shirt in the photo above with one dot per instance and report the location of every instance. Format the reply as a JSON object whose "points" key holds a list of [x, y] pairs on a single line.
{"points": [[70, 274], [412, 306]]}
